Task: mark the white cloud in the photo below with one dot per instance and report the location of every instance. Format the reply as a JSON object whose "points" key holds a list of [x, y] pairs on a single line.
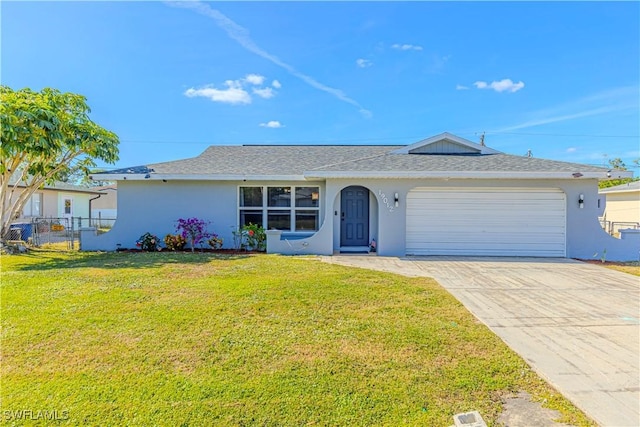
{"points": [[273, 124], [276, 84], [406, 46], [241, 35], [500, 86], [572, 150], [363, 63], [233, 94], [255, 79], [560, 118], [265, 92], [461, 87], [617, 99]]}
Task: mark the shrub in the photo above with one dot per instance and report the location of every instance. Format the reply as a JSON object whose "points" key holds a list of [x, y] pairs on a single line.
{"points": [[215, 241], [148, 242], [254, 236], [194, 230], [174, 242]]}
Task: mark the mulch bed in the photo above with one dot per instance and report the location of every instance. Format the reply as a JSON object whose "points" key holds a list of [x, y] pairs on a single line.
{"points": [[597, 261], [188, 251]]}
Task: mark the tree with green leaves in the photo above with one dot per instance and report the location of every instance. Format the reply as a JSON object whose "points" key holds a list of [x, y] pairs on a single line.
{"points": [[45, 136], [617, 164]]}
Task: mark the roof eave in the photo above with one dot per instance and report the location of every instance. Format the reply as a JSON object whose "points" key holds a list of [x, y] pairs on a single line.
{"points": [[322, 175], [196, 177], [455, 175]]}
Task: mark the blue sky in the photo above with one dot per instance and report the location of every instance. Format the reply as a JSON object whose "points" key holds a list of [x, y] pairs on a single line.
{"points": [[559, 79]]}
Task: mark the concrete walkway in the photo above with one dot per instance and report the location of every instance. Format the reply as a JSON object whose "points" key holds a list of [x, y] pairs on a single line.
{"points": [[575, 323]]}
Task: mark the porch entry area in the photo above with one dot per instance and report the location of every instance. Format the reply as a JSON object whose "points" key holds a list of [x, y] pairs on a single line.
{"points": [[354, 219]]}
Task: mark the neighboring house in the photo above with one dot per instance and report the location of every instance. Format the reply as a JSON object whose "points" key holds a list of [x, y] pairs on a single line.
{"points": [[622, 208], [444, 195], [107, 205], [58, 200]]}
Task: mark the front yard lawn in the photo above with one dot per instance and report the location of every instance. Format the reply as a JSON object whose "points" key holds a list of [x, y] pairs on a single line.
{"points": [[631, 267], [625, 267], [201, 339]]}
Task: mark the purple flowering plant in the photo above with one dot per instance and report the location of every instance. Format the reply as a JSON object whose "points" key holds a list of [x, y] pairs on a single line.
{"points": [[194, 230]]}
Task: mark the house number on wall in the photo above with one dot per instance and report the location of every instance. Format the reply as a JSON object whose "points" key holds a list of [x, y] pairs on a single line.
{"points": [[388, 203]]}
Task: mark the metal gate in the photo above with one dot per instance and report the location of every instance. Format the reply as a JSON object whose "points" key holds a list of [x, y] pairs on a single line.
{"points": [[53, 230]]}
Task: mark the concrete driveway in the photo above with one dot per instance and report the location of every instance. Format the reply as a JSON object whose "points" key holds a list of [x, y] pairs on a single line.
{"points": [[575, 323]]}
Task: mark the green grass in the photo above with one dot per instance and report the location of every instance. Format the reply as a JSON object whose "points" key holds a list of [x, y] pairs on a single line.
{"points": [[629, 267], [199, 339]]}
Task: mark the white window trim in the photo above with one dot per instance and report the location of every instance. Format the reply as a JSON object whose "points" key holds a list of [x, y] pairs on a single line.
{"points": [[291, 209], [28, 210]]}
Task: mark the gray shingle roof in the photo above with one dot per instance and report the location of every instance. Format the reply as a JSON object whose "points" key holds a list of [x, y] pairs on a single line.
{"points": [[298, 159], [468, 163], [267, 159]]}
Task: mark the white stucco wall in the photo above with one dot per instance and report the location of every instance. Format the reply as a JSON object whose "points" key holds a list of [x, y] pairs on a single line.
{"points": [[154, 206], [585, 237]]}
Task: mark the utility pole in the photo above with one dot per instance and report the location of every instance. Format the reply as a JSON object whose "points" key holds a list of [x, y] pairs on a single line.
{"points": [[482, 139]]}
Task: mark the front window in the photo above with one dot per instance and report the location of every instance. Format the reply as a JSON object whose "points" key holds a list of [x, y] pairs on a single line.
{"points": [[251, 196], [33, 206], [279, 220], [279, 197], [307, 197], [286, 208], [307, 220], [250, 216]]}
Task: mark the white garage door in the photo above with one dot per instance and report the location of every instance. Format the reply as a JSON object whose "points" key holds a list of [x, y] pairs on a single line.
{"points": [[486, 221]]}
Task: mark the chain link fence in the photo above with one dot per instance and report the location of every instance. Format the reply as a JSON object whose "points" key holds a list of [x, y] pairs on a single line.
{"points": [[61, 232]]}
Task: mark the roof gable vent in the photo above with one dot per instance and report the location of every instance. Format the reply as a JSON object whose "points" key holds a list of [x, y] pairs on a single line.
{"points": [[446, 144]]}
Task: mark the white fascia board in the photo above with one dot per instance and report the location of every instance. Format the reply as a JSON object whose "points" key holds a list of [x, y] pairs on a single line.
{"points": [[195, 177], [453, 175], [115, 177]]}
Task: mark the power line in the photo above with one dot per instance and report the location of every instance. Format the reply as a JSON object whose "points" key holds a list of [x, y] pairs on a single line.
{"points": [[564, 135], [390, 138], [296, 142]]}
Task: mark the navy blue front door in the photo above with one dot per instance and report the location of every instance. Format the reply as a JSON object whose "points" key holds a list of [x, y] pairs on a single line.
{"points": [[354, 216]]}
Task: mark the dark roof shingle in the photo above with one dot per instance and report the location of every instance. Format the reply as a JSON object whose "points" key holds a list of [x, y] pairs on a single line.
{"points": [[322, 160]]}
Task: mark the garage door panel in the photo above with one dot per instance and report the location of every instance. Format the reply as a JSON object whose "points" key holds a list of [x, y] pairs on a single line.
{"points": [[486, 221], [494, 228], [505, 239], [420, 236], [454, 245], [530, 252]]}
